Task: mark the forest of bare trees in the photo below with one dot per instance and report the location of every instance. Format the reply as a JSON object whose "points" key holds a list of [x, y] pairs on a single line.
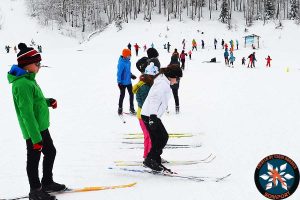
{"points": [[91, 15]]}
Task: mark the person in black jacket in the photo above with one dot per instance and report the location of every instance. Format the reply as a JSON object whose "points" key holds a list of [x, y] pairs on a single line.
{"points": [[142, 63], [175, 87]]}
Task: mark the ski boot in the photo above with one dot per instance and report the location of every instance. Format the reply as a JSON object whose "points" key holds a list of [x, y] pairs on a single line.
{"points": [[53, 187], [132, 111], [120, 111], [177, 109], [39, 194], [152, 164]]}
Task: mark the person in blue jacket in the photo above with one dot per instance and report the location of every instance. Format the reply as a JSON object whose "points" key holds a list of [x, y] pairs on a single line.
{"points": [[226, 54], [124, 76], [231, 59]]}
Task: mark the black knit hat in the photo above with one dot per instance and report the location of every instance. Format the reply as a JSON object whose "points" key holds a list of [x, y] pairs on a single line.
{"points": [[173, 71], [27, 55], [152, 53]]}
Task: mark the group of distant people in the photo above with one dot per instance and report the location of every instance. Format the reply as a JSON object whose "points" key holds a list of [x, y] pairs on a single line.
{"points": [[7, 48]]}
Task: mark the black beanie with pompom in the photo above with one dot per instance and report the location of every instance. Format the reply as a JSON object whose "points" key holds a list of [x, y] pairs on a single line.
{"points": [[27, 55]]}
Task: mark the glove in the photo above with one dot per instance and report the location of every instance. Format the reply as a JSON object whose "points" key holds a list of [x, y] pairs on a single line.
{"points": [[133, 76], [53, 103], [120, 85], [38, 146], [153, 125]]}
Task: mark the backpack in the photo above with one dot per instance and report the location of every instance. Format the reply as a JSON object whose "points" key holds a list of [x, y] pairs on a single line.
{"points": [[213, 60]]}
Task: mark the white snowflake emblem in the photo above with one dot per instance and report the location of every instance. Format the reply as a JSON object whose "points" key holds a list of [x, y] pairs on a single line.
{"points": [[274, 176]]}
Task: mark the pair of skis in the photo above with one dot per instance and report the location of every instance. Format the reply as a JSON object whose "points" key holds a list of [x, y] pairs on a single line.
{"points": [[85, 189], [173, 174], [208, 159]]}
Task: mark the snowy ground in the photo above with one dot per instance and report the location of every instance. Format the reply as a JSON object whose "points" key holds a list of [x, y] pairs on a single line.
{"points": [[239, 114]]}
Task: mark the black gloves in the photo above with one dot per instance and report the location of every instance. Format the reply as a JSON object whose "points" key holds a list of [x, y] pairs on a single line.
{"points": [[153, 122], [133, 76]]}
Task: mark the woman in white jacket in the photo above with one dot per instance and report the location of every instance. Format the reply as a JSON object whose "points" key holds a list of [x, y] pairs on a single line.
{"points": [[153, 108]]}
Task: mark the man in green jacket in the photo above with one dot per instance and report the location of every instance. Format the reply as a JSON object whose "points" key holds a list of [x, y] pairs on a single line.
{"points": [[33, 115]]}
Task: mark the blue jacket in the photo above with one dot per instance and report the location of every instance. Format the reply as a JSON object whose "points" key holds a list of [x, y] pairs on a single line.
{"points": [[231, 58], [124, 71], [226, 54]]}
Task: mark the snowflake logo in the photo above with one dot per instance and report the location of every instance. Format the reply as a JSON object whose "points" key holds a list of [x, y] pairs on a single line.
{"points": [[274, 177]]}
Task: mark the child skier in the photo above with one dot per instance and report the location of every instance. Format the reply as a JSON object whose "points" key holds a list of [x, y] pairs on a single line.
{"points": [[226, 54], [141, 89], [190, 54], [231, 59], [33, 115], [153, 108], [243, 61], [268, 61]]}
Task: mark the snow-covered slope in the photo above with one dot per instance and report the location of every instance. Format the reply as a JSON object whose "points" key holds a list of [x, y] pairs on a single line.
{"points": [[239, 114]]}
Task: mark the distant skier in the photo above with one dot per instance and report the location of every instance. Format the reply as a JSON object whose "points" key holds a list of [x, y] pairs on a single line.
{"points": [[237, 44], [226, 55], [141, 90], [252, 60], [168, 47], [136, 47], [182, 59], [268, 61], [226, 46], [15, 49], [7, 48], [175, 53], [243, 61], [33, 115], [231, 59], [202, 44], [190, 54], [222, 43], [124, 77], [183, 44], [215, 43], [152, 45], [129, 46], [194, 45], [153, 108], [145, 47]]}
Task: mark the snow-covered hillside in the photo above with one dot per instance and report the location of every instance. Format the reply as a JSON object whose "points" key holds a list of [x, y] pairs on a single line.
{"points": [[239, 114]]}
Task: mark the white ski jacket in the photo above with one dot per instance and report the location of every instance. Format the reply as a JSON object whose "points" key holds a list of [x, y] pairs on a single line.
{"points": [[156, 102]]}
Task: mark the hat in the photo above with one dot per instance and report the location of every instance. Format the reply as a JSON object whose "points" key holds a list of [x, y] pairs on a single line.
{"points": [[27, 55], [126, 53], [151, 69], [152, 53], [173, 71]]}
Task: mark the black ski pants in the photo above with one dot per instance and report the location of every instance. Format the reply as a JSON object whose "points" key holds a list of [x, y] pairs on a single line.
{"points": [[182, 63], [159, 138], [33, 159], [122, 95]]}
